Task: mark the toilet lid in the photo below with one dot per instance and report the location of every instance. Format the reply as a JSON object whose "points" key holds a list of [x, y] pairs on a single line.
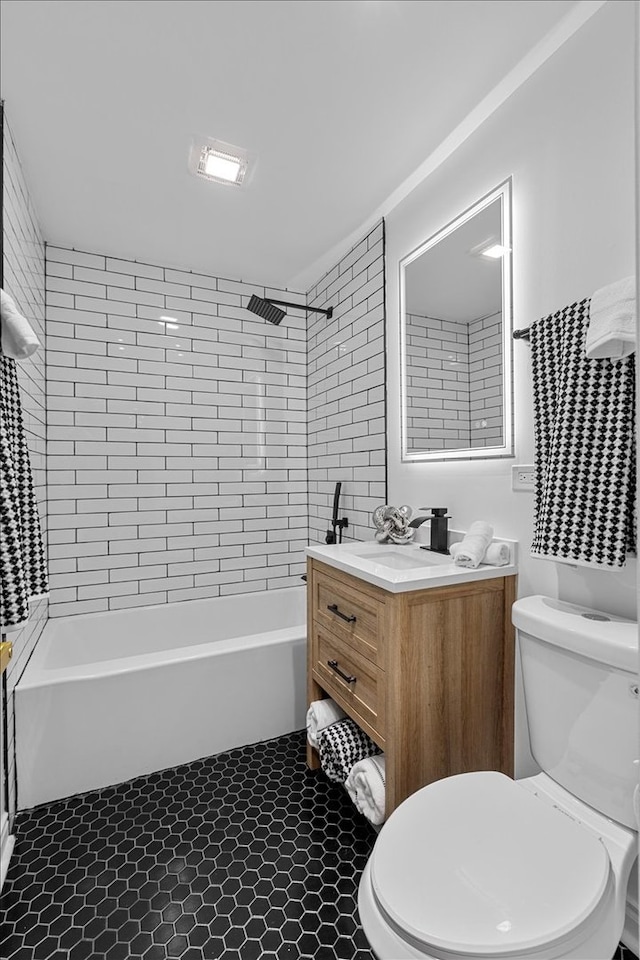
{"points": [[476, 865]]}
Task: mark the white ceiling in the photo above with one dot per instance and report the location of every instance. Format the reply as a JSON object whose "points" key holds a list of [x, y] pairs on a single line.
{"points": [[341, 100], [450, 280]]}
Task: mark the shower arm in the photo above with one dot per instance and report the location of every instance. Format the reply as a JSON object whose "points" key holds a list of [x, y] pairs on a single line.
{"points": [[301, 306]]}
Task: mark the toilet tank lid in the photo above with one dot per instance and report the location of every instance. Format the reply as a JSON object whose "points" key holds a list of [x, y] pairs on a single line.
{"points": [[603, 637]]}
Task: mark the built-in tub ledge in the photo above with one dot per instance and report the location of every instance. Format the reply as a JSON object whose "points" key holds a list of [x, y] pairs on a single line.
{"points": [[400, 568]]}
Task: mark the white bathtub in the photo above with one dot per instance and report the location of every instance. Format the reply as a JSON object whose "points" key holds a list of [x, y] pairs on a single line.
{"points": [[111, 696]]}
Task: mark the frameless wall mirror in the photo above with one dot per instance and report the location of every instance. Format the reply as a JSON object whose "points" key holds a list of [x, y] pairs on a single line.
{"points": [[455, 329]]}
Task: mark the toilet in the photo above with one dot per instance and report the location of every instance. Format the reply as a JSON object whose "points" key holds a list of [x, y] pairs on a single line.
{"points": [[481, 866]]}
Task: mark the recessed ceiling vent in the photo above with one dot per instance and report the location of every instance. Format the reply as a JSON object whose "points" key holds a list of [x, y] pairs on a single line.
{"points": [[218, 161]]}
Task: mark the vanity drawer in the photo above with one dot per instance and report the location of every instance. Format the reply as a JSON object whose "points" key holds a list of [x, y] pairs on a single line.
{"points": [[354, 617], [364, 697]]}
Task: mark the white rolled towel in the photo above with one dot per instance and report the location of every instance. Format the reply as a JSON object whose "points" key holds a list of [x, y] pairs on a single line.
{"points": [[497, 554], [321, 714], [18, 339], [473, 546], [366, 787], [612, 321]]}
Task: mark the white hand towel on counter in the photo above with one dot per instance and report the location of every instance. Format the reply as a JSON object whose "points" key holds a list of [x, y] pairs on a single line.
{"points": [[496, 554], [473, 546], [612, 321], [319, 715], [18, 339], [366, 787]]}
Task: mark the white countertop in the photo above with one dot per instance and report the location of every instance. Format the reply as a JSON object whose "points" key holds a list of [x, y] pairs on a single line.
{"points": [[399, 569]]}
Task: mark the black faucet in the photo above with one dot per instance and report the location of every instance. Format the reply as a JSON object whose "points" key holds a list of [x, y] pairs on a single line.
{"points": [[439, 528]]}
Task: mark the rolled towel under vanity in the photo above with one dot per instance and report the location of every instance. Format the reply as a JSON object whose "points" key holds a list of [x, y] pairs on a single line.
{"points": [[319, 715], [366, 787], [341, 745]]}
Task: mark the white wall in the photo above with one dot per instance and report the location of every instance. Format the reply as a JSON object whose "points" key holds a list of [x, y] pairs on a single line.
{"points": [[567, 139]]}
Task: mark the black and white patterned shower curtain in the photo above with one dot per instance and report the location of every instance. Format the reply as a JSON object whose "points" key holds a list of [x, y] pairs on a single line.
{"points": [[585, 447], [23, 565]]}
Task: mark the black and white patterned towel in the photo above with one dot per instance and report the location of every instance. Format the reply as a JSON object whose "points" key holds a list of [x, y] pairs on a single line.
{"points": [[341, 745], [23, 565], [585, 448]]}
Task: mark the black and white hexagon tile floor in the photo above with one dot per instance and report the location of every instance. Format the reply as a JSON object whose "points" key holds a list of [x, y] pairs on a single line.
{"points": [[243, 856]]}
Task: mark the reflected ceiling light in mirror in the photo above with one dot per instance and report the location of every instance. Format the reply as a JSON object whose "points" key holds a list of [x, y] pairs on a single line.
{"points": [[495, 251], [491, 248]]}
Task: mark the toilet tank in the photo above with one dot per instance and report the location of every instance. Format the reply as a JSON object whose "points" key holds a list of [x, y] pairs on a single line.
{"points": [[580, 675]]}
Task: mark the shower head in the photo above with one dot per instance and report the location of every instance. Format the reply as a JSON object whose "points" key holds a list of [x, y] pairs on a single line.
{"points": [[268, 311], [262, 308]]}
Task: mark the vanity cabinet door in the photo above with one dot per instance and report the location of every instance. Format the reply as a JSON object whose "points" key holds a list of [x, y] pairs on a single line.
{"points": [[450, 684]]}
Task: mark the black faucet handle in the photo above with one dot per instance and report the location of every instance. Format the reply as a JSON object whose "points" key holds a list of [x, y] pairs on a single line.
{"points": [[436, 511]]}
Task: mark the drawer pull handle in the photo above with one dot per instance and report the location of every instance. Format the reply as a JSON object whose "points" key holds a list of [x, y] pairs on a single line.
{"points": [[345, 676], [343, 616]]}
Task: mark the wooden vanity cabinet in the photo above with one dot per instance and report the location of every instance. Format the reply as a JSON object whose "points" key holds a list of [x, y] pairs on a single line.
{"points": [[428, 674]]}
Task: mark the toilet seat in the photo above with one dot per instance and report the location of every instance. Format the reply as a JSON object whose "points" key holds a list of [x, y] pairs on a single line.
{"points": [[475, 866]]}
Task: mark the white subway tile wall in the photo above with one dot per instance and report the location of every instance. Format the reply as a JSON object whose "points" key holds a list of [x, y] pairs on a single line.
{"points": [[177, 446], [437, 383], [23, 259], [485, 381], [453, 382], [347, 391]]}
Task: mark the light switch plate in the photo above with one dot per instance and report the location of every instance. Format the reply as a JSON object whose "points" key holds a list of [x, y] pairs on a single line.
{"points": [[523, 477]]}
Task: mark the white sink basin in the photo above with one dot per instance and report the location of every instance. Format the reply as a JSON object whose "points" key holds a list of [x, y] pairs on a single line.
{"points": [[397, 561], [399, 568], [408, 557]]}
